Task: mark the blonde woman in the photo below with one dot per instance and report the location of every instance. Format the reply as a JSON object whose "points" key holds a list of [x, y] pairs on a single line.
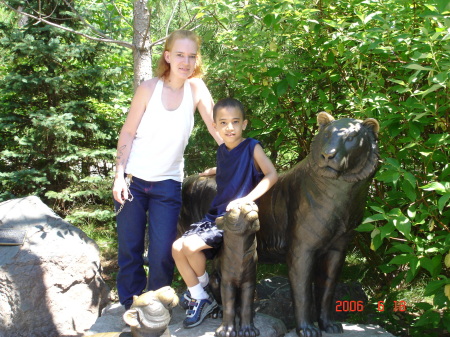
{"points": [[149, 164]]}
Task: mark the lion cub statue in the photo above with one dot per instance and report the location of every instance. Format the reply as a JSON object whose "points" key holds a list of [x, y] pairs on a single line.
{"points": [[149, 315], [236, 269]]}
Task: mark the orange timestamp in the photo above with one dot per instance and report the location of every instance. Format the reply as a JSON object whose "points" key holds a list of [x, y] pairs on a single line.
{"points": [[398, 306], [349, 306], [358, 306]]}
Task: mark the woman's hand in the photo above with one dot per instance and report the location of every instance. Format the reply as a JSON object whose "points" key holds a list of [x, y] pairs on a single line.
{"points": [[120, 190], [208, 172]]}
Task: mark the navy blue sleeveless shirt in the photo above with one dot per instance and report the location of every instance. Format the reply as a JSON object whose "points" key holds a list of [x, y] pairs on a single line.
{"points": [[236, 176]]}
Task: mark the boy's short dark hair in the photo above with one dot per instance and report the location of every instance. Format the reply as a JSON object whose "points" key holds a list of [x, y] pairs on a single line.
{"points": [[229, 103]]}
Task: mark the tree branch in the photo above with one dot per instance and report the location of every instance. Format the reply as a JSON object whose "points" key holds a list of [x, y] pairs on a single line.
{"points": [[123, 16], [218, 21], [82, 19], [105, 39], [171, 17], [161, 40]]}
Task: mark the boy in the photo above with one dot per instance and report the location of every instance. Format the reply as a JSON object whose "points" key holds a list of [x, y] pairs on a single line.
{"points": [[243, 174]]}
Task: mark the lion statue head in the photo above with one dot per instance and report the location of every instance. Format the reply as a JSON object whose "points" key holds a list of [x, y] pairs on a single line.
{"points": [[241, 220], [149, 315], [346, 148]]}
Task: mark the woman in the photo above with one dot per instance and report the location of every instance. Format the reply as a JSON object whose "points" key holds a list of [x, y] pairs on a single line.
{"points": [[150, 160]]}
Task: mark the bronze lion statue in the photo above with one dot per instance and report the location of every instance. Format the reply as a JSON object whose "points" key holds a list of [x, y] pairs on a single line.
{"points": [[307, 218], [149, 315]]}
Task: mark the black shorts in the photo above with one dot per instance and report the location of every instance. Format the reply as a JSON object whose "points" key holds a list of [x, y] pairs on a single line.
{"points": [[210, 234]]}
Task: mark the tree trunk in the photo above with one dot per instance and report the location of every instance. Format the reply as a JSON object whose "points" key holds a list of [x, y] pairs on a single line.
{"points": [[142, 54]]}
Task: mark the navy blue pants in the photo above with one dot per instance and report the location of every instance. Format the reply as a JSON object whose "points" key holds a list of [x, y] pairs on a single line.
{"points": [[158, 204]]}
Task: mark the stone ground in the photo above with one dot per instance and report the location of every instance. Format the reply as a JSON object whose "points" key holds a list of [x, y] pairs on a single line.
{"points": [[111, 320]]}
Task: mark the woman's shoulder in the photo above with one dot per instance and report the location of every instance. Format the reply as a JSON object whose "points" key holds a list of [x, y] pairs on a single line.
{"points": [[199, 91], [196, 81], [145, 90], [149, 84], [197, 84]]}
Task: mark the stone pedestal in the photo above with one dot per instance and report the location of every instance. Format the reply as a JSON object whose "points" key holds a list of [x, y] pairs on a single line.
{"points": [[111, 320]]}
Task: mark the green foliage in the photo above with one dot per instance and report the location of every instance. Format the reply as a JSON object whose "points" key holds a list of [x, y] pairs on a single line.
{"points": [[60, 112]]}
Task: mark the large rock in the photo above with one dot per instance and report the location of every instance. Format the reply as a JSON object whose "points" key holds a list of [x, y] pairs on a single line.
{"points": [[51, 285]]}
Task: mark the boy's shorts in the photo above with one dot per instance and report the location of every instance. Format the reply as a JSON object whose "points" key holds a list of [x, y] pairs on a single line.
{"points": [[210, 234]]}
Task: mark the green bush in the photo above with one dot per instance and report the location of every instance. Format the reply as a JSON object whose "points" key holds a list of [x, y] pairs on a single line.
{"points": [[61, 107]]}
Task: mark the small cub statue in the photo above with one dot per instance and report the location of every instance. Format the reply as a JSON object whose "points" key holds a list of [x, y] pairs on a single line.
{"points": [[149, 315], [237, 269]]}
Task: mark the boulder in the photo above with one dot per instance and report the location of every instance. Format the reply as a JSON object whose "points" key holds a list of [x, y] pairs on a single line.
{"points": [[51, 284]]}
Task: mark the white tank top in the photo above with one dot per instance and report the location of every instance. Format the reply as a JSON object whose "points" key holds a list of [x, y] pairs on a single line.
{"points": [[158, 148]]}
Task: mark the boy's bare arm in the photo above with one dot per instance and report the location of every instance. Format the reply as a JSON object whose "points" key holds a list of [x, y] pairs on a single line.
{"points": [[270, 178]]}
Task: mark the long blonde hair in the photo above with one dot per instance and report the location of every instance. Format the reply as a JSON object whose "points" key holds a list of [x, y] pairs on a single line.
{"points": [[163, 69]]}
